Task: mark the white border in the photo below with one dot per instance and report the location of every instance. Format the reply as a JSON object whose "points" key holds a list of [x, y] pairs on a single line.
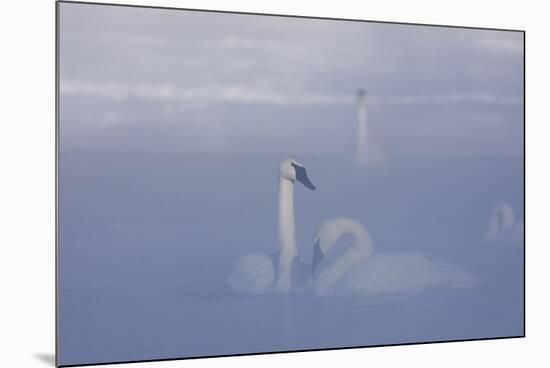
{"points": [[27, 183]]}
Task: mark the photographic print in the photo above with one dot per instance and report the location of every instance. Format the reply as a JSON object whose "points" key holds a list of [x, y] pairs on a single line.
{"points": [[234, 183]]}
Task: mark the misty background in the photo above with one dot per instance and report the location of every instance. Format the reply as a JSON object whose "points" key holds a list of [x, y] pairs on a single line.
{"points": [[214, 82], [172, 125]]}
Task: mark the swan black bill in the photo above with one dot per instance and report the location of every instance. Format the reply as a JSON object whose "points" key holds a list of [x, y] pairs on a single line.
{"points": [[317, 256], [301, 176]]}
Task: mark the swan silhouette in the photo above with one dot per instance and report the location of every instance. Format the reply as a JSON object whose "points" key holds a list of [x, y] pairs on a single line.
{"points": [[367, 153], [254, 273], [503, 229], [361, 146], [360, 271]]}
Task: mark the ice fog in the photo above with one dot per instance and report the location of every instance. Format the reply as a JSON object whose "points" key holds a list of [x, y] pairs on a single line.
{"points": [[173, 127]]}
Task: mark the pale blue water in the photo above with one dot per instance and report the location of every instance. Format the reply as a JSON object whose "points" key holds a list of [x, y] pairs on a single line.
{"points": [[147, 242]]}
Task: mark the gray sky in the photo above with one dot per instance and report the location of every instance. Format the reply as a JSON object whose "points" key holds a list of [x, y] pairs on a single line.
{"points": [[178, 81]]}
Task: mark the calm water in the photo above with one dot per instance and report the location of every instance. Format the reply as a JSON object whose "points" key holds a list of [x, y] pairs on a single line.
{"points": [[147, 242]]}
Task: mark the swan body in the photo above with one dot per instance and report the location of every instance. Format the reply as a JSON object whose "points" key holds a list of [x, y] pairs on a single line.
{"points": [[503, 230], [255, 273], [361, 271]]}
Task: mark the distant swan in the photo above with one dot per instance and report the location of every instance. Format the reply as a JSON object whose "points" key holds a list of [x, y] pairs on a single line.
{"points": [[367, 153], [255, 273], [359, 271], [361, 145], [503, 229]]}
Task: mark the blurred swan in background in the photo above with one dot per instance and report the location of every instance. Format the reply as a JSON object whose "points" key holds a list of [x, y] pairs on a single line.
{"points": [[254, 273], [359, 271], [367, 153], [361, 146], [503, 229]]}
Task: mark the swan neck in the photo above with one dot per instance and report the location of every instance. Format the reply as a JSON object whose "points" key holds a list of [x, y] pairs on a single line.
{"points": [[361, 133], [501, 219], [287, 243], [362, 242], [362, 248]]}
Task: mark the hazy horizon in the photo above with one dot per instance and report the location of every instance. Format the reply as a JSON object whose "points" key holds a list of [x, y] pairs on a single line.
{"points": [[135, 79]]}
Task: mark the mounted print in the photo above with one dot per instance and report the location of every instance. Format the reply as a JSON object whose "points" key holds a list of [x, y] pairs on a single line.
{"points": [[233, 183]]}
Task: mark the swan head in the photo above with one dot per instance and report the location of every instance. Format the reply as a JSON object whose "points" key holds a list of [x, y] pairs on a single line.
{"points": [[293, 170], [332, 230], [502, 217], [327, 236], [362, 96]]}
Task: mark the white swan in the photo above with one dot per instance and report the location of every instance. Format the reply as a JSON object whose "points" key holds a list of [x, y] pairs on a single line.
{"points": [[359, 271], [361, 147], [503, 229], [255, 273], [367, 153]]}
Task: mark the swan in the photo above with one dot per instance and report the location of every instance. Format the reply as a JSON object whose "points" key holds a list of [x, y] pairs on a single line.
{"points": [[361, 148], [503, 229], [366, 152], [360, 271], [255, 273]]}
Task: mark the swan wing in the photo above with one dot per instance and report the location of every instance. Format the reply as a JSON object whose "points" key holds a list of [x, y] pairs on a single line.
{"points": [[253, 274], [404, 273]]}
